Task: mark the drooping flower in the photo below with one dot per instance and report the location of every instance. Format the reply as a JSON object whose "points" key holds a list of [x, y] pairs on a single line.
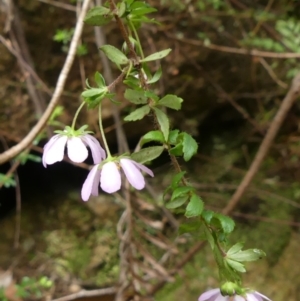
{"points": [[109, 177], [215, 295], [76, 148]]}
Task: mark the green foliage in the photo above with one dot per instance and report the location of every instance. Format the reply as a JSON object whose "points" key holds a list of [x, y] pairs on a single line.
{"points": [[163, 122], [156, 56], [171, 101], [138, 114], [136, 97], [115, 55], [156, 136], [98, 16], [183, 144], [7, 181], [194, 207], [147, 154]]}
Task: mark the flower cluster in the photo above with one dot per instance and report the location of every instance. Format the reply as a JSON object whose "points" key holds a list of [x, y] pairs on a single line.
{"points": [[105, 172], [215, 295]]}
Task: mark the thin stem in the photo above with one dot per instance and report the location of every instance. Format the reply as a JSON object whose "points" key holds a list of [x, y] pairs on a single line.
{"points": [[136, 37], [76, 115], [102, 133]]}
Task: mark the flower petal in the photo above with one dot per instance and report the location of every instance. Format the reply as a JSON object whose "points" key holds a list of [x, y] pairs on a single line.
{"points": [[133, 174], [209, 294], [90, 183], [98, 152], [239, 298], [143, 168], [221, 298], [54, 149], [252, 297], [110, 179], [77, 151], [257, 294]]}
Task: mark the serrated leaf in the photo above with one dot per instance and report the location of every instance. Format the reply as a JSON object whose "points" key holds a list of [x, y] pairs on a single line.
{"points": [[177, 178], [163, 121], [190, 147], [156, 77], [247, 255], [177, 202], [235, 248], [99, 79], [180, 191], [138, 113], [147, 154], [236, 265], [157, 56], [194, 207], [136, 97], [98, 16], [171, 101], [114, 54], [173, 137], [152, 136], [226, 222]]}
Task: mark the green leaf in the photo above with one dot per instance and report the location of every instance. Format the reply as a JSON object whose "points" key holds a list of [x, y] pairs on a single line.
{"points": [[151, 95], [209, 237], [194, 207], [247, 255], [143, 11], [207, 215], [98, 16], [236, 265], [177, 202], [176, 150], [152, 136], [115, 55], [138, 113], [136, 97], [99, 79], [171, 101], [190, 226], [156, 77], [173, 137], [147, 154], [190, 147], [163, 121], [180, 191], [227, 224], [234, 249], [122, 9], [93, 92], [157, 56], [177, 178]]}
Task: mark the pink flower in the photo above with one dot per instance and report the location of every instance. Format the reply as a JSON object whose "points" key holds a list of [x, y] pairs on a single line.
{"points": [[215, 295], [76, 149], [110, 177]]}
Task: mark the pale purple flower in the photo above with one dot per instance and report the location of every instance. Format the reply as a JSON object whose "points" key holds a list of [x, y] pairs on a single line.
{"points": [[215, 295], [110, 177], [76, 149]]}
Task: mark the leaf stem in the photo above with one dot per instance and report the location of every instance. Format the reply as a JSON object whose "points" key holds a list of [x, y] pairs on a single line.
{"points": [[76, 115], [102, 132]]}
